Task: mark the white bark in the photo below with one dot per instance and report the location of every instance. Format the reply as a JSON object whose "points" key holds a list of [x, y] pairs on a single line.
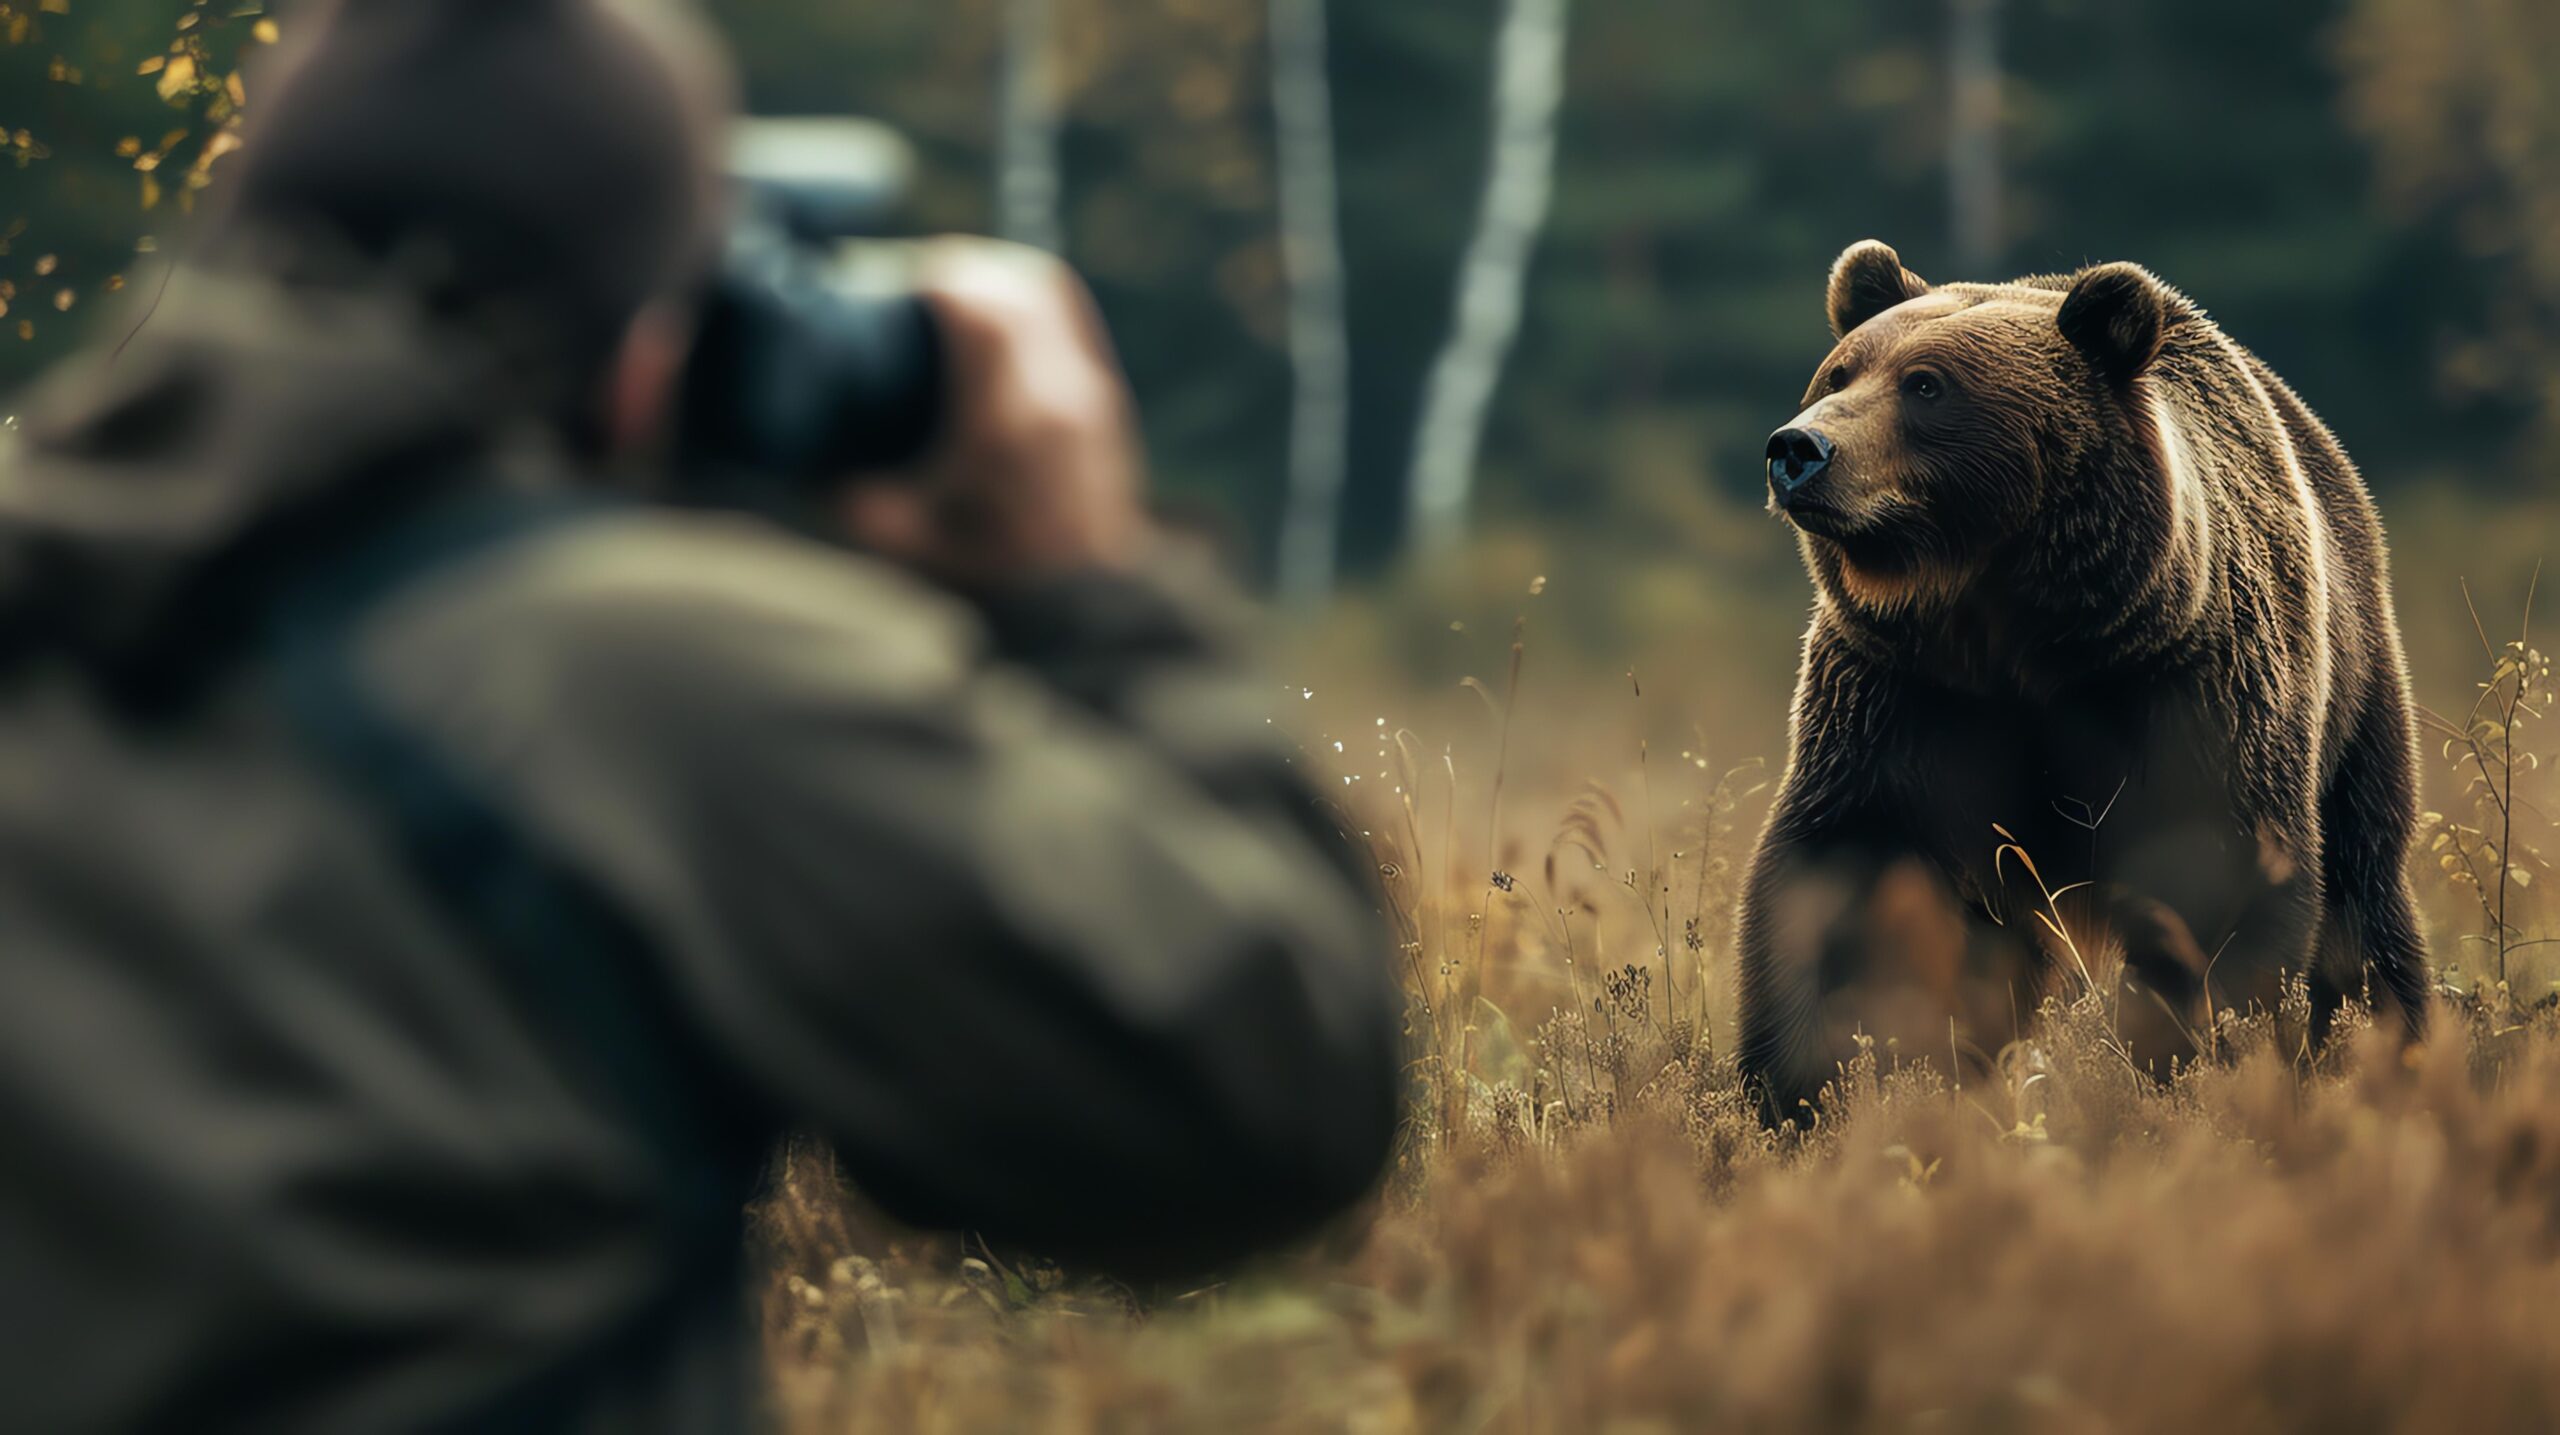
{"points": [[1519, 183], [1973, 137], [1319, 340], [1027, 183]]}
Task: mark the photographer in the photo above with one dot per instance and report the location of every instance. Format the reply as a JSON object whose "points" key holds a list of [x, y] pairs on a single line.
{"points": [[431, 879]]}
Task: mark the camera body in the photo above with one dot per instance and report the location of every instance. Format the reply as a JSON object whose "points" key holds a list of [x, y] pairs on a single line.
{"points": [[808, 368]]}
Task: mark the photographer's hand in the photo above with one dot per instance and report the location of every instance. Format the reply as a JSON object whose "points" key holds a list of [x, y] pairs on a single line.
{"points": [[1039, 472]]}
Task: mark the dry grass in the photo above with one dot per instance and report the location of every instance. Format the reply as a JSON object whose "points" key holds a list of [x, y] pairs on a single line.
{"points": [[1587, 1231], [2372, 1249]]}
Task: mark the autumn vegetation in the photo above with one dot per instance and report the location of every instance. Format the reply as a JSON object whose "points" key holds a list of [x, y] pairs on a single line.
{"points": [[1588, 1230]]}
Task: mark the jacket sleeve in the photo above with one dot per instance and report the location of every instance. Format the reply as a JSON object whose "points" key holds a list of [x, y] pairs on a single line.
{"points": [[1031, 913]]}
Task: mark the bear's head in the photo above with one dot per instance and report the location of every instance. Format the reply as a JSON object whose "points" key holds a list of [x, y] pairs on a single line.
{"points": [[1949, 422]]}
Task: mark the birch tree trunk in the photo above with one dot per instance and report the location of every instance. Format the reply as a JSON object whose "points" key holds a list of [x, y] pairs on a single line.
{"points": [[1319, 340], [1519, 183], [1973, 137], [1027, 182]]}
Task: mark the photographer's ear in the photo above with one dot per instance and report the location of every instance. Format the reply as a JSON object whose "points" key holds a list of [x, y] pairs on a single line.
{"points": [[639, 391]]}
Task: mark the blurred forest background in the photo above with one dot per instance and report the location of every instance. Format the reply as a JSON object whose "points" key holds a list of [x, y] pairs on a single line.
{"points": [[2365, 191]]}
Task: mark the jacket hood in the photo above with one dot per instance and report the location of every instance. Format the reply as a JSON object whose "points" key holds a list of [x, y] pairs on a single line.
{"points": [[153, 490]]}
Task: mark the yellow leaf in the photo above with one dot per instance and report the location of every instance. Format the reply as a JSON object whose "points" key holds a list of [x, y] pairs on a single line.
{"points": [[265, 32], [178, 77], [55, 7], [64, 300], [26, 329], [231, 86], [151, 66], [128, 147], [150, 192], [45, 264]]}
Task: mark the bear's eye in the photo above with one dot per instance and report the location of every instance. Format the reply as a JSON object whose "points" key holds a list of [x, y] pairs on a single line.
{"points": [[1838, 378], [1927, 387]]}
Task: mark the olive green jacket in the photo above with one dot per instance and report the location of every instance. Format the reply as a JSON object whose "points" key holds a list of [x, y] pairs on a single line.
{"points": [[1021, 904]]}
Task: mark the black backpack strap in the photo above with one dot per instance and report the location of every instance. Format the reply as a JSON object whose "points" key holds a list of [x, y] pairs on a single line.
{"points": [[557, 937]]}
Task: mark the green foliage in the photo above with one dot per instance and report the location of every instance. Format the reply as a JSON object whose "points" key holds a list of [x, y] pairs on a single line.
{"points": [[113, 114]]}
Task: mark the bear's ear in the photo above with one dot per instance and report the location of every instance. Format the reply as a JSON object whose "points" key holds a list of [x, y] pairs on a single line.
{"points": [[2115, 314], [1867, 279]]}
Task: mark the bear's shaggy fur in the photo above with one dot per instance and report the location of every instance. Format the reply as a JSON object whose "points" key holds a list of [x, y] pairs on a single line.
{"points": [[2102, 611]]}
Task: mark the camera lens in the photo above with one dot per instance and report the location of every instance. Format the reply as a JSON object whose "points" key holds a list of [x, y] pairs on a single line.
{"points": [[797, 383]]}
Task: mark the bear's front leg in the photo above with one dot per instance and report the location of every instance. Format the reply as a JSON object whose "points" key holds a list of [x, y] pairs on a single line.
{"points": [[2161, 1017], [1846, 935]]}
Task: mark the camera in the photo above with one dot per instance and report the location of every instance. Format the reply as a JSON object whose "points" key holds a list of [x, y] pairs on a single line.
{"points": [[813, 363]]}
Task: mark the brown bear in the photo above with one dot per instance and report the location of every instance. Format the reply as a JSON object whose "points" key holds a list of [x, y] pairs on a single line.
{"points": [[2103, 686]]}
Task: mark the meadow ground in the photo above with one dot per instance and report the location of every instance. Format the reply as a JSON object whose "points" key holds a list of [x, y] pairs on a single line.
{"points": [[1586, 1230]]}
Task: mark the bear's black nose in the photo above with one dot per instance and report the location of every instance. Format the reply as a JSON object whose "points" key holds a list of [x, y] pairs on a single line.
{"points": [[1796, 458]]}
